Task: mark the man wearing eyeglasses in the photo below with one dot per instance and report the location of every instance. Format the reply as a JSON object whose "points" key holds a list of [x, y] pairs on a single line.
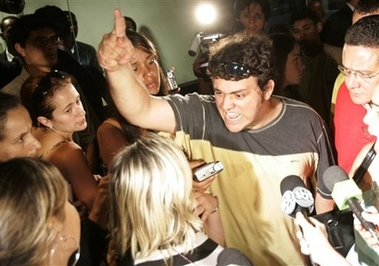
{"points": [[258, 137], [360, 69]]}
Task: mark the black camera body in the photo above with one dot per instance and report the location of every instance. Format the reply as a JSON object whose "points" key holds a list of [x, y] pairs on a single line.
{"points": [[12, 6]]}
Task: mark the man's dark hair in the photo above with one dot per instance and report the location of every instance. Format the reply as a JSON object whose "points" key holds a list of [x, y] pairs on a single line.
{"points": [[19, 33], [57, 17], [367, 6], [364, 32], [240, 5], [130, 23], [255, 52], [304, 13]]}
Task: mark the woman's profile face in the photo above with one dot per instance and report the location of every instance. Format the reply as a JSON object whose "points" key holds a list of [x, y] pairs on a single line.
{"points": [[294, 67], [146, 68], [18, 138], [68, 115]]}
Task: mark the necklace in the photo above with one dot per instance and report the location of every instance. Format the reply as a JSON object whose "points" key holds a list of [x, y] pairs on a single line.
{"points": [[56, 132]]}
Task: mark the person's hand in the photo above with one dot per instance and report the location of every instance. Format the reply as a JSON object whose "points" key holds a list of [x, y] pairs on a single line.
{"points": [[111, 257], [206, 205], [204, 185], [115, 48], [99, 212], [82, 210], [372, 216], [313, 238], [200, 59]]}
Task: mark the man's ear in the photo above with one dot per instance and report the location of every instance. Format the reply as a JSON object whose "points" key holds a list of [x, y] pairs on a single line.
{"points": [[268, 89], [20, 49], [319, 27], [44, 121]]}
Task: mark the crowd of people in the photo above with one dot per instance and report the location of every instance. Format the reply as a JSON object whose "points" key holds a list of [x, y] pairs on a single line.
{"points": [[99, 155]]}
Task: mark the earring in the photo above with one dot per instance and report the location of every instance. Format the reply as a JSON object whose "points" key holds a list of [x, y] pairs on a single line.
{"points": [[65, 244]]}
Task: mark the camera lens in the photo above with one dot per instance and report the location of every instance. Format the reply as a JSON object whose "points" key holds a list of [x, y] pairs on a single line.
{"points": [[12, 6]]}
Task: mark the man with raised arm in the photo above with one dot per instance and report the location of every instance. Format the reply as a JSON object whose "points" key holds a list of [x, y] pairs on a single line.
{"points": [[259, 138]]}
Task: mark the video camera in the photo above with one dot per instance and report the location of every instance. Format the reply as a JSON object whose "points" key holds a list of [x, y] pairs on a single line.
{"points": [[12, 6], [205, 40]]}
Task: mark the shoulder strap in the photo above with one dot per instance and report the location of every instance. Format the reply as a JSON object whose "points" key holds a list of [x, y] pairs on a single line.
{"points": [[358, 176]]}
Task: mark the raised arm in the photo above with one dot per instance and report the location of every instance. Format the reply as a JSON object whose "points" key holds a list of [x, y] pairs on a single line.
{"points": [[130, 96]]}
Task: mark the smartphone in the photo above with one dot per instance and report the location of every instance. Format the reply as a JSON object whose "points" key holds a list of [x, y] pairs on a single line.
{"points": [[172, 84], [207, 170]]}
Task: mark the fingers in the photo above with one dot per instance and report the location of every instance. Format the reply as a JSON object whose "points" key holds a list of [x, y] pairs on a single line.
{"points": [[115, 48], [119, 24], [205, 204], [300, 220], [202, 186], [371, 217]]}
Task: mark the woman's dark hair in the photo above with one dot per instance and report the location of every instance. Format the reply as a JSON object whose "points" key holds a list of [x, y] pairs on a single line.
{"points": [[131, 132], [283, 44], [37, 91], [141, 42], [7, 102], [239, 5]]}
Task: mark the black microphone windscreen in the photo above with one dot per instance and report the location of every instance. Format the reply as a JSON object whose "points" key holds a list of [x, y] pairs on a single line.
{"points": [[290, 182], [332, 175], [231, 256]]}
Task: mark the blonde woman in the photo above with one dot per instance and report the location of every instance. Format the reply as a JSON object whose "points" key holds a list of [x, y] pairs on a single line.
{"points": [[38, 224], [153, 213]]}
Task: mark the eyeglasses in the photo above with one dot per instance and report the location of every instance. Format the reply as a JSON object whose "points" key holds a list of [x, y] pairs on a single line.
{"points": [[44, 85], [43, 41], [364, 77], [238, 70]]}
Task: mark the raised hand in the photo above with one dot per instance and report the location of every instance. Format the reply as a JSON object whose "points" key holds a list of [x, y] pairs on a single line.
{"points": [[115, 48]]}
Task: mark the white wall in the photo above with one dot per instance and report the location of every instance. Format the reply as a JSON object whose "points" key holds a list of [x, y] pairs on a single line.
{"points": [[170, 24]]}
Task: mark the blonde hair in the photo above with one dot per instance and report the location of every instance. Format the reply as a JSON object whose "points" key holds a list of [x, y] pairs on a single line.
{"points": [[152, 206], [32, 193]]}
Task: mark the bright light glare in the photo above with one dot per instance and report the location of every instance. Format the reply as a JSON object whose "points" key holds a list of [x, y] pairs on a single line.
{"points": [[205, 13]]}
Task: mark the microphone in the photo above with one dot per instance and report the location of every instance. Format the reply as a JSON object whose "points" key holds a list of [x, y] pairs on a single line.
{"points": [[200, 38], [231, 256], [296, 197], [346, 194]]}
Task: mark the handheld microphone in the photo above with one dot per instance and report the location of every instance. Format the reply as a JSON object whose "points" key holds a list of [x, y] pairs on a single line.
{"points": [[231, 256], [296, 197], [347, 194]]}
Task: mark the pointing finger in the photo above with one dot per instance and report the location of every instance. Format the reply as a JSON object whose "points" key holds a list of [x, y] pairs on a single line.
{"points": [[119, 23]]}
